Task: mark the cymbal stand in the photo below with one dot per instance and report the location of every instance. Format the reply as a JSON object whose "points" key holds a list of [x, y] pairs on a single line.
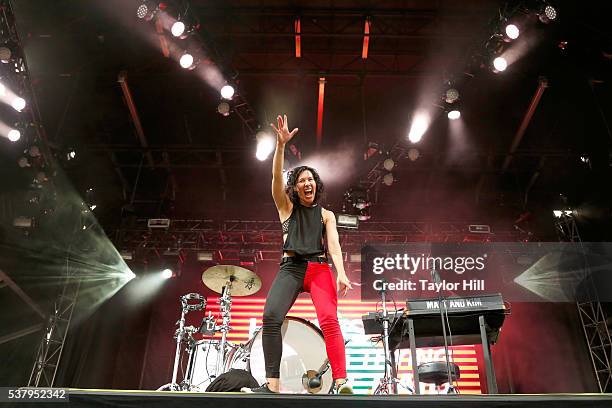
{"points": [[388, 384], [225, 302]]}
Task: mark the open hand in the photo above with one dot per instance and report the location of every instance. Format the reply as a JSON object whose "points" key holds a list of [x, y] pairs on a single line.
{"points": [[282, 131], [343, 284]]}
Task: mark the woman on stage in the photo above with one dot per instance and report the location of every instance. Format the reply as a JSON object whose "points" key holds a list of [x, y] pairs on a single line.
{"points": [[304, 266]]}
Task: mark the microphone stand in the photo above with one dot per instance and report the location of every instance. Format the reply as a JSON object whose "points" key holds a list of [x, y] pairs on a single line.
{"points": [[443, 317], [388, 379]]}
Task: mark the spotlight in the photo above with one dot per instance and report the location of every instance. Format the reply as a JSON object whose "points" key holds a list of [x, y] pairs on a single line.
{"points": [[388, 179], [547, 14], [14, 135], [71, 154], [454, 114], [23, 162], [388, 164], [147, 10], [167, 273], [34, 151], [227, 92], [187, 61], [512, 32], [23, 222], [265, 145], [420, 124], [413, 154], [5, 54], [451, 95], [18, 104], [223, 108], [178, 29], [364, 214], [499, 64]]}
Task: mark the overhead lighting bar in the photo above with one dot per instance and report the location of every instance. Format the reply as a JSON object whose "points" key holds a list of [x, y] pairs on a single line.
{"points": [[366, 38]]}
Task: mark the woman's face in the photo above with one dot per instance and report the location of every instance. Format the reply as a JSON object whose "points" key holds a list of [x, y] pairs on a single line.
{"points": [[306, 188]]}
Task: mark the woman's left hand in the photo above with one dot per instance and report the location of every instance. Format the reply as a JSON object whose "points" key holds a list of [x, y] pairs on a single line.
{"points": [[343, 284]]}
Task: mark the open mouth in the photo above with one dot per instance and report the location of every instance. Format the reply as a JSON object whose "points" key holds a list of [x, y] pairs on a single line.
{"points": [[308, 192]]}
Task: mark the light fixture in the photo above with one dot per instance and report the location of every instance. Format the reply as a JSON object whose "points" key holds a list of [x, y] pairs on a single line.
{"points": [[511, 32], [454, 114], [265, 145], [347, 221], [14, 135], [451, 95], [178, 29], [547, 13], [227, 92], [5, 54], [147, 10], [167, 273], [187, 61], [388, 179], [18, 104], [499, 64], [223, 108], [388, 164]]}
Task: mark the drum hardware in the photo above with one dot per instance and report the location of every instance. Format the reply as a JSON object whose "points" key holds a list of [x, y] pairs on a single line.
{"points": [[312, 379], [183, 333], [388, 384]]}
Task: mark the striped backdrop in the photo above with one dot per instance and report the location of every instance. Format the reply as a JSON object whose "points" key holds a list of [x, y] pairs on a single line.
{"points": [[365, 364]]}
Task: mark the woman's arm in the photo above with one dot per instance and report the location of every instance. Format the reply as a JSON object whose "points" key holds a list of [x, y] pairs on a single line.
{"points": [[283, 204], [333, 246]]}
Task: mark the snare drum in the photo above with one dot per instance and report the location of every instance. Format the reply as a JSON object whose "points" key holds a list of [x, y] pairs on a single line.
{"points": [[303, 350]]}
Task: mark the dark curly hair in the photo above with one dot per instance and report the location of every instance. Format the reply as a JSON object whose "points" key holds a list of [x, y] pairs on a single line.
{"points": [[292, 178]]}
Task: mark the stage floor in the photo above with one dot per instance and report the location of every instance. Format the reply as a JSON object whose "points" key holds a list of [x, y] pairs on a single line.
{"points": [[118, 398]]}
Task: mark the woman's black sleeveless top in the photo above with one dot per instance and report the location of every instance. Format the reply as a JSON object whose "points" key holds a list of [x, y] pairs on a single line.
{"points": [[305, 231]]}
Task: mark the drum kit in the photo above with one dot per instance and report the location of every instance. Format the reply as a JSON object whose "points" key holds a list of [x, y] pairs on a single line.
{"points": [[305, 367]]}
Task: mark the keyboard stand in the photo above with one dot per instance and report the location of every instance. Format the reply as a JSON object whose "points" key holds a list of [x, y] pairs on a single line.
{"points": [[486, 350]]}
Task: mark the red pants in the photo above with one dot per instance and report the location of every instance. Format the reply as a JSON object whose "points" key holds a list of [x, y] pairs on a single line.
{"points": [[318, 280]]}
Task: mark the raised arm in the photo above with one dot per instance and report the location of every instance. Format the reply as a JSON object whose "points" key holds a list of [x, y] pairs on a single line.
{"points": [[333, 246], [283, 204]]}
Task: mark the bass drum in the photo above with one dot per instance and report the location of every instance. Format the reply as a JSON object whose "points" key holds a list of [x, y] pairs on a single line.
{"points": [[303, 350], [202, 366]]}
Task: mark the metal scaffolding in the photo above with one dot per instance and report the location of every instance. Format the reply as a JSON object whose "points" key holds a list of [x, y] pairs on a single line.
{"points": [[52, 343], [592, 316]]}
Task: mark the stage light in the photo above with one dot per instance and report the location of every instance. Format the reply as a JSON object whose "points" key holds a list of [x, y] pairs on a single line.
{"points": [[419, 126], [23, 222], [178, 29], [14, 135], [5, 54], [18, 104], [364, 214], [413, 154], [227, 92], [388, 164], [265, 145], [223, 108], [512, 31], [23, 162], [454, 114], [187, 61], [451, 95], [147, 10], [388, 179], [71, 154], [347, 221], [547, 14], [500, 64], [167, 273]]}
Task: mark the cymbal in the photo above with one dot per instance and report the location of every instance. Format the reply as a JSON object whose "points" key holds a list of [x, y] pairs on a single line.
{"points": [[244, 281]]}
